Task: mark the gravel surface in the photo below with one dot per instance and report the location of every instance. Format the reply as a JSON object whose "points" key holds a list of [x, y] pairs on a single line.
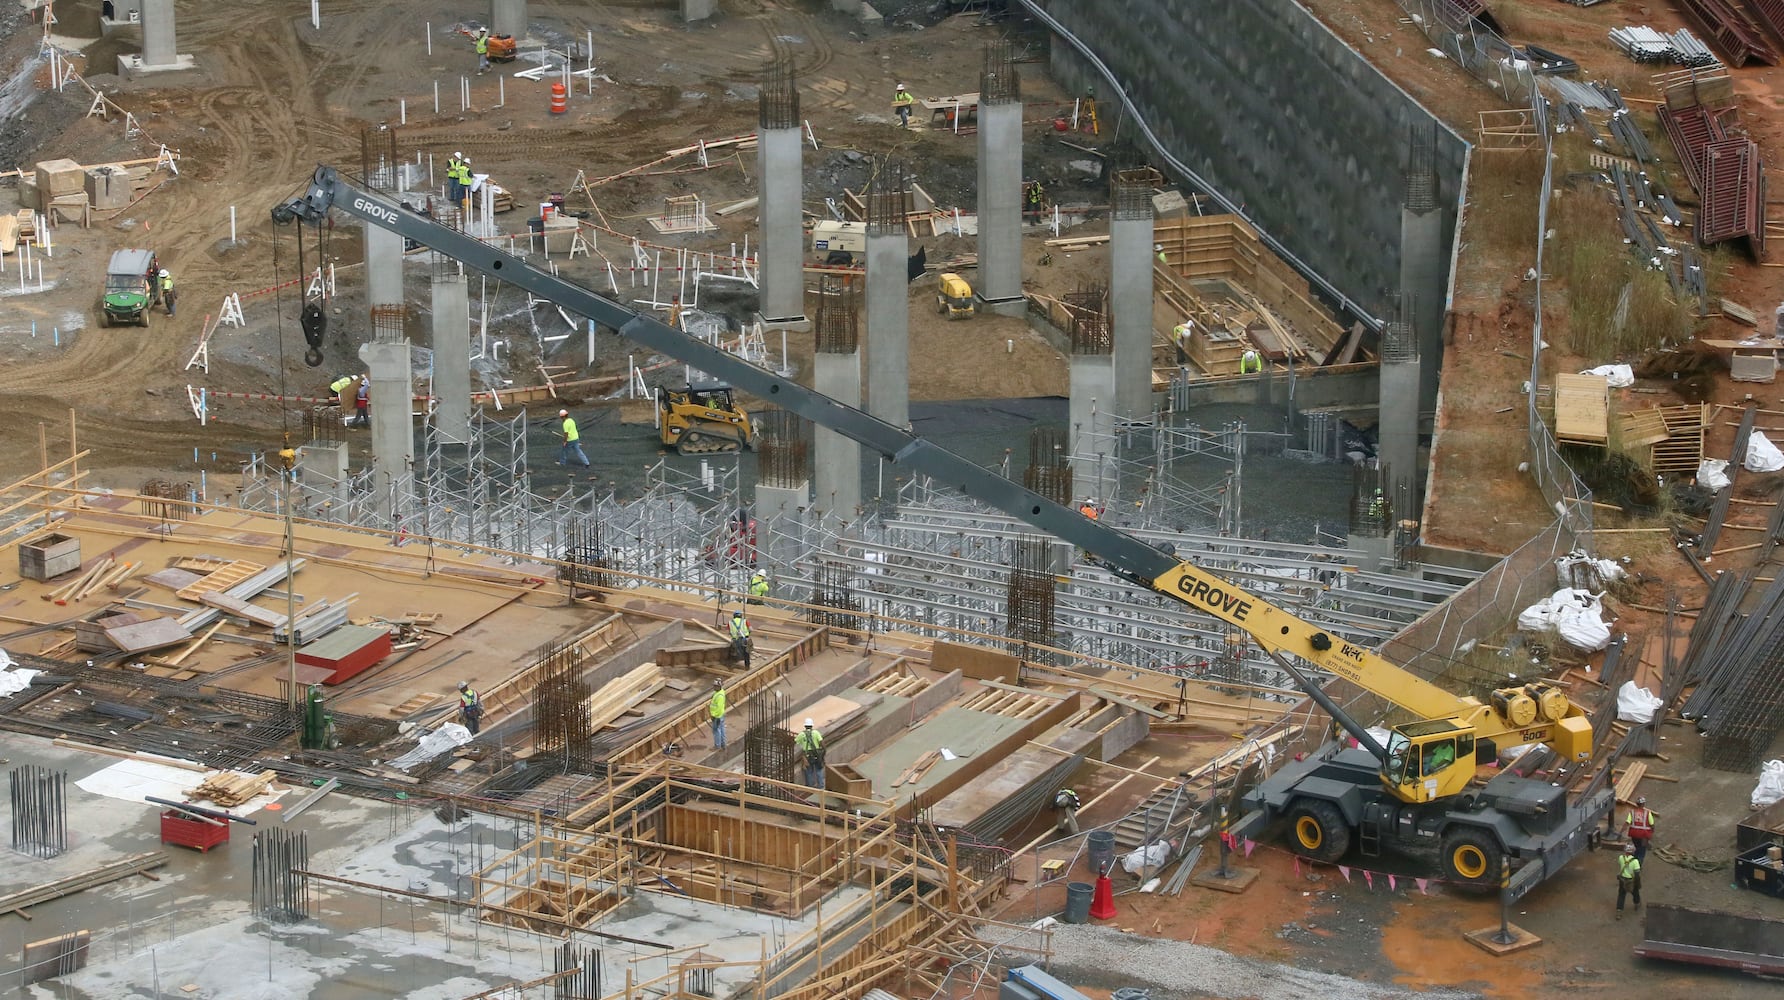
{"points": [[1108, 959]]}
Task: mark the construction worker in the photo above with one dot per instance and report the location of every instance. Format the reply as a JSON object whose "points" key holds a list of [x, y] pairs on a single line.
{"points": [[1159, 248], [167, 290], [454, 168], [1251, 362], [464, 180], [810, 743], [758, 588], [901, 103], [362, 405], [482, 51], [1639, 824], [1629, 877], [1087, 507], [339, 387], [715, 711], [1181, 335], [740, 638], [470, 707], [1378, 507], [1035, 202], [1066, 801], [571, 452]]}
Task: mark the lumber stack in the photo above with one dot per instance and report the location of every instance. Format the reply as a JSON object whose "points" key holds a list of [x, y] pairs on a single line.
{"points": [[620, 696], [232, 789], [92, 878]]}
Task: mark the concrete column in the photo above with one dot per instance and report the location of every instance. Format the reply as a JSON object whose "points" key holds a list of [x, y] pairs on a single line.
{"points": [[452, 356], [1000, 207], [1130, 309], [1092, 388], [780, 510], [383, 267], [778, 165], [836, 460], [393, 431], [696, 10], [888, 325], [1398, 447], [322, 468], [159, 47], [508, 17], [1423, 258]]}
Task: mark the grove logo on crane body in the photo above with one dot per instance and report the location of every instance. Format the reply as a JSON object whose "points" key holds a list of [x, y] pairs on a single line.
{"points": [[373, 209], [1234, 607]]}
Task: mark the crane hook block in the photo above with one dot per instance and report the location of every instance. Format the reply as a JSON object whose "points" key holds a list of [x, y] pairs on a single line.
{"points": [[315, 323], [313, 357]]}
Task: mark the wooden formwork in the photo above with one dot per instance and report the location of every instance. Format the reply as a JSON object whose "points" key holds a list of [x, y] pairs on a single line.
{"points": [[1227, 247]]}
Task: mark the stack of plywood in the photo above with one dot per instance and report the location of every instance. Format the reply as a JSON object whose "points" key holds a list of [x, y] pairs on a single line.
{"points": [[232, 789], [620, 696], [1582, 409]]}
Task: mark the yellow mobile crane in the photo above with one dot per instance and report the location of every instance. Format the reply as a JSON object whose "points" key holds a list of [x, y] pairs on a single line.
{"points": [[1417, 791]]}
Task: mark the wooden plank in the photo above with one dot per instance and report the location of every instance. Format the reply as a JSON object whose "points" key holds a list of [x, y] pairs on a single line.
{"points": [[1128, 703], [1632, 777], [242, 609]]}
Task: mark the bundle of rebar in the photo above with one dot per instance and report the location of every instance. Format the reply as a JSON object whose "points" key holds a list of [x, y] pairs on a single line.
{"points": [[560, 710], [1030, 605], [578, 973], [768, 750], [281, 892], [39, 811], [837, 323], [1736, 661]]}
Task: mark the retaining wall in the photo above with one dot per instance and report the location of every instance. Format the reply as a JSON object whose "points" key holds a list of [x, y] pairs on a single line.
{"points": [[1277, 114]]}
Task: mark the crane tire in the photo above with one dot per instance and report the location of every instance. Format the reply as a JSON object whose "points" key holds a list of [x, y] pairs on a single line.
{"points": [[1317, 830], [1471, 856]]}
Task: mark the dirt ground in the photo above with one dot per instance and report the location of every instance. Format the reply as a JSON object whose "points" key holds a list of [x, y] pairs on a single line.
{"points": [[272, 97]]}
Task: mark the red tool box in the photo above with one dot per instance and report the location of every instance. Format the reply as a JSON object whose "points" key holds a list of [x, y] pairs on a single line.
{"points": [[187, 831]]}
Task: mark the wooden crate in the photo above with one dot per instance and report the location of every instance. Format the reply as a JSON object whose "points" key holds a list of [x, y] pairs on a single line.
{"points": [[49, 556]]}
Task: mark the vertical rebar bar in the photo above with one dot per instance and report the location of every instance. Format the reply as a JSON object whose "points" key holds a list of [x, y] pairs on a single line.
{"points": [[39, 810]]}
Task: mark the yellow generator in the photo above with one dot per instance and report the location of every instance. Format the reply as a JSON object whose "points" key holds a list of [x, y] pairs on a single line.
{"points": [[955, 298], [701, 420]]}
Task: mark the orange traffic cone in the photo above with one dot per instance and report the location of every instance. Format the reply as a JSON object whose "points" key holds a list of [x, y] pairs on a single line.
{"points": [[1102, 903]]}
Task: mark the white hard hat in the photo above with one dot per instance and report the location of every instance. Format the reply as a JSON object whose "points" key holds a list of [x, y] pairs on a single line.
{"points": [[901, 86], [458, 156], [164, 272], [463, 684], [563, 413], [1158, 246], [810, 724]]}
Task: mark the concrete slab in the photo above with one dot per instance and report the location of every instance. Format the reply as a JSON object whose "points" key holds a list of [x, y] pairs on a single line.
{"points": [[961, 730], [1236, 879], [1488, 939], [131, 67]]}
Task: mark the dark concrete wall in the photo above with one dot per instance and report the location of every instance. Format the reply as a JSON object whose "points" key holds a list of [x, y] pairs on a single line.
{"points": [[1277, 114]]}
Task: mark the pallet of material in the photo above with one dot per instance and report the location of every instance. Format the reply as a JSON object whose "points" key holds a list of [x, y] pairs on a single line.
{"points": [[220, 579], [16, 902], [1632, 777], [231, 789], [144, 636]]}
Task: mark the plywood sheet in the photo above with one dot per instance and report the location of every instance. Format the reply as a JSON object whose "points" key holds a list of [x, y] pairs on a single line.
{"points": [[1582, 408], [173, 579], [824, 712], [156, 633]]}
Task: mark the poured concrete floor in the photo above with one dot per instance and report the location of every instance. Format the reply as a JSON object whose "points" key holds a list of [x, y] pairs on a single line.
{"points": [[194, 926]]}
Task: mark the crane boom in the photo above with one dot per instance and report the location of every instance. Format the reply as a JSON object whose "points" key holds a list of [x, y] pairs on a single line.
{"points": [[1560, 724]]}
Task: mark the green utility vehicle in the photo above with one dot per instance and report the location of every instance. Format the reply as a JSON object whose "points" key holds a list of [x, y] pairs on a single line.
{"points": [[129, 287]]}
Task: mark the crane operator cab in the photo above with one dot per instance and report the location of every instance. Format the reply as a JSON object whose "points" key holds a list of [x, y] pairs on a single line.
{"points": [[1428, 760]]}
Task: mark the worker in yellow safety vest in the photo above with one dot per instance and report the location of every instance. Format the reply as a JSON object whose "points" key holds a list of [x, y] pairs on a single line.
{"points": [[901, 103], [740, 638], [339, 387], [1629, 878], [470, 707], [810, 744], [482, 51], [715, 711], [571, 453], [758, 588], [1251, 362]]}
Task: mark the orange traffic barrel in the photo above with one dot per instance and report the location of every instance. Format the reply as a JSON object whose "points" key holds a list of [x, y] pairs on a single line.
{"points": [[560, 99]]}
